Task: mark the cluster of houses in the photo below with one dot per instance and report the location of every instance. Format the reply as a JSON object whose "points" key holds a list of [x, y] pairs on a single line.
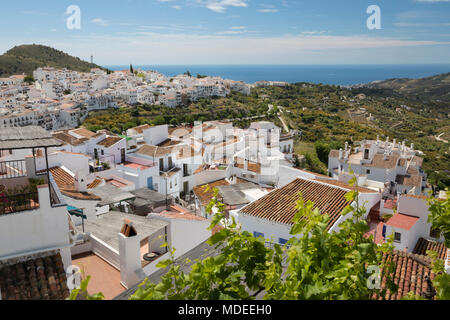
{"points": [[76, 199], [62, 99]]}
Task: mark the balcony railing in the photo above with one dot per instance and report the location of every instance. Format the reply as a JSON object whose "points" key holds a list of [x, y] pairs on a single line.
{"points": [[12, 169], [18, 202]]}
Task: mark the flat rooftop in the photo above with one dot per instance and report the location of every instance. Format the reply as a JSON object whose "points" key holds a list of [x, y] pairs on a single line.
{"points": [[107, 226], [104, 277]]}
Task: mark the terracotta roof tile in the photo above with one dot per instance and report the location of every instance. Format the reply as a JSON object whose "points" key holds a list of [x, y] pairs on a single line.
{"points": [[423, 245], [95, 183], [379, 162], [410, 274], [409, 180], [110, 141], [38, 278], [66, 184], [280, 205], [206, 196], [84, 132]]}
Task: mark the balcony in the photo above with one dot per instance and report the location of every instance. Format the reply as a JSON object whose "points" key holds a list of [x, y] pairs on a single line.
{"points": [[21, 194], [13, 203], [12, 169], [20, 185]]}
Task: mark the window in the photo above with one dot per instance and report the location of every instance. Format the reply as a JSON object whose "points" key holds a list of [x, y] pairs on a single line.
{"points": [[367, 171], [282, 241], [103, 152], [397, 237], [258, 234], [434, 233]]}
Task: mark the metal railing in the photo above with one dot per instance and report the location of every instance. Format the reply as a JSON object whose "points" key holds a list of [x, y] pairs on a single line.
{"points": [[18, 202], [12, 169]]}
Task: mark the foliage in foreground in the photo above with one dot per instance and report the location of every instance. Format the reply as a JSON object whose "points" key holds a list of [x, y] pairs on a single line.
{"points": [[314, 264]]}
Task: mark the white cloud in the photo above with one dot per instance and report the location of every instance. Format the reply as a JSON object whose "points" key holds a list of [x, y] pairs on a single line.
{"points": [[431, 1], [220, 6], [186, 48], [313, 32], [100, 22], [268, 10], [177, 7]]}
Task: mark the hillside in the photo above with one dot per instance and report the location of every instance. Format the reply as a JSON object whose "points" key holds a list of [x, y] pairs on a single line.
{"points": [[327, 116], [434, 88], [27, 58]]}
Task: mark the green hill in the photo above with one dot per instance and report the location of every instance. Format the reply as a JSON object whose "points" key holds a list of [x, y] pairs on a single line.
{"points": [[435, 88], [27, 58]]}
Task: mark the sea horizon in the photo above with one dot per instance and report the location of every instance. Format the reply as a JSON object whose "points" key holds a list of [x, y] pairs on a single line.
{"points": [[331, 74]]}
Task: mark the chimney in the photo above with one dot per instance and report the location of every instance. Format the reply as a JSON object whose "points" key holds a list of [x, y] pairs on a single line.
{"points": [[340, 154], [80, 182], [412, 146], [346, 146], [395, 141], [129, 254]]}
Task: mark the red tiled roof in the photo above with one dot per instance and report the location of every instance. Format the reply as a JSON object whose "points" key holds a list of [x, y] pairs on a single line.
{"points": [[95, 183], [206, 196], [402, 221], [410, 274], [110, 141], [42, 278], [84, 132], [140, 129], [423, 245], [280, 205], [67, 138], [66, 184], [408, 180], [379, 162], [252, 166]]}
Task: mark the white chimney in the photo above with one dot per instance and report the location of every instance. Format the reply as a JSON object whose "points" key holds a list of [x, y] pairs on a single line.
{"points": [[395, 142], [346, 146], [80, 182], [340, 154], [130, 255], [412, 146]]}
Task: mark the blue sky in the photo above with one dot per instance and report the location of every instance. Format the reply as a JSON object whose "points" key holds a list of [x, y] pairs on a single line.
{"points": [[234, 31]]}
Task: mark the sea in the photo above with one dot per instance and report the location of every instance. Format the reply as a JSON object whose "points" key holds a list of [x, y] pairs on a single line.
{"points": [[343, 75]]}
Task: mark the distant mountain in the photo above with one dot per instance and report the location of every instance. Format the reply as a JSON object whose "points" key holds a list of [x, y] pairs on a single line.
{"points": [[434, 88], [27, 58]]}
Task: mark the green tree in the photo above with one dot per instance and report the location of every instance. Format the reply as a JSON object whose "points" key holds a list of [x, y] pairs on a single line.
{"points": [[440, 216], [29, 79]]}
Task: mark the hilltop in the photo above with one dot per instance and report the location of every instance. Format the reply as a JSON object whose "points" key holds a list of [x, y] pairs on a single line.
{"points": [[431, 89], [27, 58]]}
